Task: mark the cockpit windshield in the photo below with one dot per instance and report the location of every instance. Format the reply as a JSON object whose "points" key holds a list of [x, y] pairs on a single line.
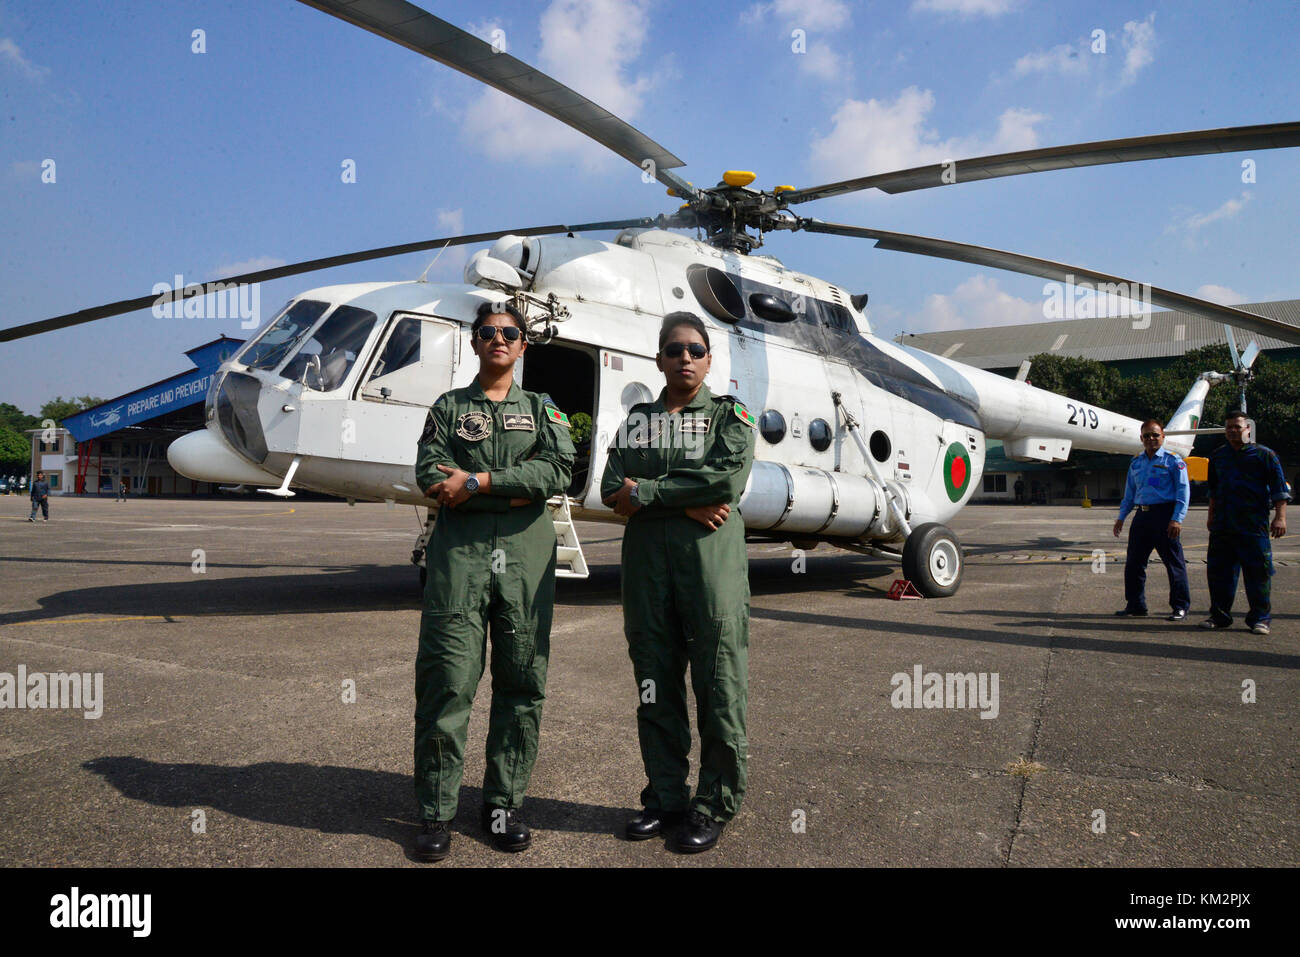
{"points": [[324, 360], [270, 348]]}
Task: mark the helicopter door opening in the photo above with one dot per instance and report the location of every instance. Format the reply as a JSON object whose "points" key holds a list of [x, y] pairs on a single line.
{"points": [[568, 376]]}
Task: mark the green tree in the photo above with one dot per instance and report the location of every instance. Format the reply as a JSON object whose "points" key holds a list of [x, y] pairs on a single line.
{"points": [[15, 451], [581, 427], [60, 408], [16, 419], [1086, 380]]}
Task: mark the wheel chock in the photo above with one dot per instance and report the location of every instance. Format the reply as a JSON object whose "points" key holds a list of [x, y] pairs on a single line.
{"points": [[902, 588]]}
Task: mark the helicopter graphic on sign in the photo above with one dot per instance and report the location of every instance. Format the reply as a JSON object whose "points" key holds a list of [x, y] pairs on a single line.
{"points": [[866, 444]]}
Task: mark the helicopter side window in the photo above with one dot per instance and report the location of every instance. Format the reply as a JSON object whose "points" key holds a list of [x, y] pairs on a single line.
{"points": [[401, 350], [324, 360], [278, 339], [413, 366]]}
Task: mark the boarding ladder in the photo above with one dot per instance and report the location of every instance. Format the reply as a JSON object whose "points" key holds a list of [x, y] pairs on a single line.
{"points": [[569, 561]]}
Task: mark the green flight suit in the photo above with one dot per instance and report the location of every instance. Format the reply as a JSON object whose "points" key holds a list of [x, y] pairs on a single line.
{"points": [[686, 595], [488, 564]]}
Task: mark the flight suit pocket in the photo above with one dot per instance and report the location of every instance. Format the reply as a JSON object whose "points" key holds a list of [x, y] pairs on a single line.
{"points": [[514, 646]]}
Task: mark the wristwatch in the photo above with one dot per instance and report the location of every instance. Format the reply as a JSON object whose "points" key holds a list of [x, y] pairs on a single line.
{"points": [[471, 484], [635, 495]]}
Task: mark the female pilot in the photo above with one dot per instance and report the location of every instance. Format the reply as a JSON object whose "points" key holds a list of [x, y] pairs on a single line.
{"points": [[491, 454], [677, 470]]}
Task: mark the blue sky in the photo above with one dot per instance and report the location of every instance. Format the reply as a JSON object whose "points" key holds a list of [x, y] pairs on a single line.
{"points": [[169, 161]]}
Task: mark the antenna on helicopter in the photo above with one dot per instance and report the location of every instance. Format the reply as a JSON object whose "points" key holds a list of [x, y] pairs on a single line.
{"points": [[435, 259]]}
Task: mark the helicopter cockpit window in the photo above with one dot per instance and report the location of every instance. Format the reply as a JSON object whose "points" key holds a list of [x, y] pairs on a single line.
{"points": [[279, 338], [324, 360], [401, 350]]}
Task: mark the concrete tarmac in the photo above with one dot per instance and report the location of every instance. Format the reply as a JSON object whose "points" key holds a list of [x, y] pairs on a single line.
{"points": [[229, 634]]}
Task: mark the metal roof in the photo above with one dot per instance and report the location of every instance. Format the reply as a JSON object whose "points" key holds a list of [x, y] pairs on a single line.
{"points": [[1106, 340]]}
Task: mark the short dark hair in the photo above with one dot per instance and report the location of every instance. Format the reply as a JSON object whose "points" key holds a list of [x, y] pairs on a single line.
{"points": [[1235, 414], [1156, 422], [486, 309], [675, 319]]}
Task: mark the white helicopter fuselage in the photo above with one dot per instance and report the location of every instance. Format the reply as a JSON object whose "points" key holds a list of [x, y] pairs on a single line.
{"points": [[347, 421]]}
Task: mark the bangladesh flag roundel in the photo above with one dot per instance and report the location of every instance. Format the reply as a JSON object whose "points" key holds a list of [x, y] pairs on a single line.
{"points": [[956, 471]]}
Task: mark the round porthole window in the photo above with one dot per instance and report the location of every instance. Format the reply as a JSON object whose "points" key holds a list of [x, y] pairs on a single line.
{"points": [[880, 446], [772, 425], [634, 393], [819, 434]]}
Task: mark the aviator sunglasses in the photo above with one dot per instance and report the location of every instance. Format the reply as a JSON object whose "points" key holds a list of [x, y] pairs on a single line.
{"points": [[673, 350], [508, 333]]}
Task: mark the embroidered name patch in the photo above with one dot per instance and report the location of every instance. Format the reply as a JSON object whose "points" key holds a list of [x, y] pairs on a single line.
{"points": [[518, 421], [694, 425], [474, 426]]}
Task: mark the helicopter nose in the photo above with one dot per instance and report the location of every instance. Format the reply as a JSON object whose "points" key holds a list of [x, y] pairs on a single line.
{"points": [[203, 457]]}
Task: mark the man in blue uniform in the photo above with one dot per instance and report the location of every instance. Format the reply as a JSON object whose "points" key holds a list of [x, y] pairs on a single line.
{"points": [[1157, 485], [1244, 479]]}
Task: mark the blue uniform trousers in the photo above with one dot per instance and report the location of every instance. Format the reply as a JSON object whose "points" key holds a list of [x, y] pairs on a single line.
{"points": [[1253, 555], [1150, 529]]}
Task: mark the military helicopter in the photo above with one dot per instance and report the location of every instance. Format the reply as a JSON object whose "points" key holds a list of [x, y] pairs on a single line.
{"points": [[865, 444]]}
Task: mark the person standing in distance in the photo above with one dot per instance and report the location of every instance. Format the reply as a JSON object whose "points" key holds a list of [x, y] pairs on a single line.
{"points": [[1157, 486], [676, 470], [40, 497], [1244, 479], [491, 454]]}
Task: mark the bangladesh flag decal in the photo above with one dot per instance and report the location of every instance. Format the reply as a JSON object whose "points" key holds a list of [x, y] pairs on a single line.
{"points": [[956, 471], [745, 415], [558, 417]]}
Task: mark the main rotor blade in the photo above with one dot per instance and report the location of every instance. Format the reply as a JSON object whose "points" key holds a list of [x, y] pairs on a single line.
{"points": [[1062, 272], [1162, 146], [418, 30], [293, 269]]}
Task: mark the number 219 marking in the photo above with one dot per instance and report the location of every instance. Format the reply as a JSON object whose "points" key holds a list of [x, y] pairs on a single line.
{"points": [[1082, 417]]}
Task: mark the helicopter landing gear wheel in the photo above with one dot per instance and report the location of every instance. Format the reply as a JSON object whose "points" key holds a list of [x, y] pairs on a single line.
{"points": [[932, 560]]}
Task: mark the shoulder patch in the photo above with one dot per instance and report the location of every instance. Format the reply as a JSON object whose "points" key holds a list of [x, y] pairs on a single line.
{"points": [[745, 415], [556, 416], [430, 429]]}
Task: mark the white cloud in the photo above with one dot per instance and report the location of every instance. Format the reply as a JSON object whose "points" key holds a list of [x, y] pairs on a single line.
{"points": [[813, 17], [878, 136], [1220, 294], [1083, 58], [976, 303], [965, 8], [586, 45], [247, 265], [1064, 59], [1139, 42], [10, 53], [808, 14], [1196, 221], [25, 169]]}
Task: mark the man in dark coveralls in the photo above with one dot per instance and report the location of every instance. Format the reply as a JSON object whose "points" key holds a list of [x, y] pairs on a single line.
{"points": [[1244, 479]]}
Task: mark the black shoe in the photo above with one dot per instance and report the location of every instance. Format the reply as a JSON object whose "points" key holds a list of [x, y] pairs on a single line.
{"points": [[650, 822], [433, 843], [698, 833], [1179, 614], [1213, 624], [507, 827], [1131, 613]]}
